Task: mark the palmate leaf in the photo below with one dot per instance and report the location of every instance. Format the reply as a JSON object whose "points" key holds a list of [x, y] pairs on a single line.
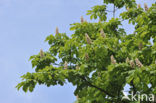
{"points": [[98, 11]]}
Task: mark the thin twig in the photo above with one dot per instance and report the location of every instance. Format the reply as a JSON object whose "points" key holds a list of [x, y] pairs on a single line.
{"points": [[108, 11], [114, 12]]}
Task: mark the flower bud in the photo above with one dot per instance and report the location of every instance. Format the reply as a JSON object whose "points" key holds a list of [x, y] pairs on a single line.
{"points": [[146, 7], [127, 60], [65, 65], [41, 53], [57, 30], [113, 61], [89, 41], [82, 19], [86, 56], [102, 33], [138, 63], [132, 64]]}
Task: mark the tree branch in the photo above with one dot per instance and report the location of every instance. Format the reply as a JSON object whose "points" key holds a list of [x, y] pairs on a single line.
{"points": [[90, 84], [108, 11], [111, 11], [133, 86], [114, 12]]}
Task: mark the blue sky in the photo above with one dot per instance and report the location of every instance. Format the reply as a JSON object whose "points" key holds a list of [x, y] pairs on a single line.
{"points": [[24, 25]]}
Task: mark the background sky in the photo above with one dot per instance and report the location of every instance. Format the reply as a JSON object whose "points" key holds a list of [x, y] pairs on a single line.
{"points": [[24, 25]]}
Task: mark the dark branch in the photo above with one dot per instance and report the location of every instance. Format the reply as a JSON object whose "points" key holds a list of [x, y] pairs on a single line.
{"points": [[90, 84], [114, 12], [133, 86]]}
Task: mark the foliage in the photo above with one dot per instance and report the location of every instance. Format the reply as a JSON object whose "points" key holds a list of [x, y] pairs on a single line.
{"points": [[100, 58]]}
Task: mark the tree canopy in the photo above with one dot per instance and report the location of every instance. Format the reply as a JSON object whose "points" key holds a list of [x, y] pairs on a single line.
{"points": [[100, 58]]}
